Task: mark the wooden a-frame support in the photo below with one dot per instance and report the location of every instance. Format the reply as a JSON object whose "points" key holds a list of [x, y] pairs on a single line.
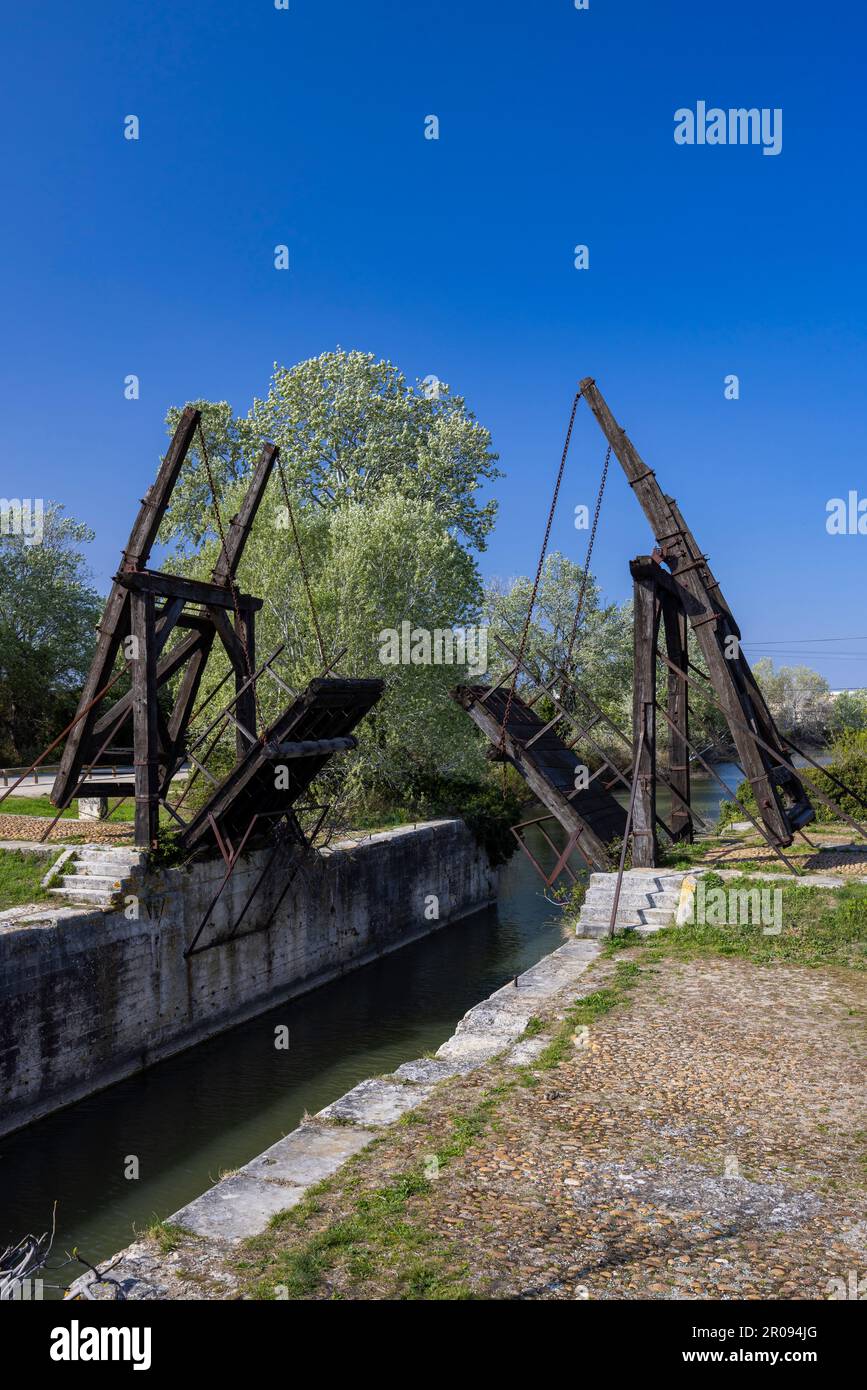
{"points": [[783, 803], [207, 610]]}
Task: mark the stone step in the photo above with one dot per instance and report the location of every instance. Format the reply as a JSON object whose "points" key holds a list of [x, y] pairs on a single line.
{"points": [[94, 896], [641, 876], [594, 908], [118, 854], [658, 916], [104, 869], [96, 883], [597, 930], [629, 896]]}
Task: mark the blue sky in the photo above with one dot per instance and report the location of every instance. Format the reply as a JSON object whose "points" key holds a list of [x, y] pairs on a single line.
{"points": [[455, 257]]}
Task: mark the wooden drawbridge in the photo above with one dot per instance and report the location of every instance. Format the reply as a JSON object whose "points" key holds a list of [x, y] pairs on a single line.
{"points": [[278, 769], [591, 817]]}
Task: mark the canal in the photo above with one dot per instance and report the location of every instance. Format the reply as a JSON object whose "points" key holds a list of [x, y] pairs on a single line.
{"points": [[211, 1109]]}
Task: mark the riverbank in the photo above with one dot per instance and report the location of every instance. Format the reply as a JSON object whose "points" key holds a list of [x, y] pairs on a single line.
{"points": [[685, 1121]]}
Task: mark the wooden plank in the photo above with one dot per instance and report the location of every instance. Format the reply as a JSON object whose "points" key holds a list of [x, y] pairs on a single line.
{"points": [[250, 786], [138, 548], [552, 798], [239, 528], [144, 711], [645, 629], [190, 590]]}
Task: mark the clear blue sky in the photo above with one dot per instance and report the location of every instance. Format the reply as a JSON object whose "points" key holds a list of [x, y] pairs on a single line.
{"points": [[454, 257]]}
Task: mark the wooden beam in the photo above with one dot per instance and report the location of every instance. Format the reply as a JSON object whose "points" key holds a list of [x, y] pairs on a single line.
{"points": [[190, 590], [675, 624], [185, 701], [167, 667], [167, 621], [245, 690], [144, 709], [645, 629], [240, 526]]}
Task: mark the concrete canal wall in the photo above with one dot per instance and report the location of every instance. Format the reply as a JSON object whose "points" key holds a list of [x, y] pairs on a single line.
{"points": [[90, 997]]}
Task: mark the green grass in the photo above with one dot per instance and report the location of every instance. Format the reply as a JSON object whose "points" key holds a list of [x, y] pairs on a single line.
{"points": [[20, 877], [41, 806], [820, 927], [582, 1014], [377, 1236], [167, 1236]]}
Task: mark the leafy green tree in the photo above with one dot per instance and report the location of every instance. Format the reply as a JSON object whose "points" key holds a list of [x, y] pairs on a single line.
{"points": [[383, 486], [48, 615], [798, 698], [848, 712], [348, 427]]}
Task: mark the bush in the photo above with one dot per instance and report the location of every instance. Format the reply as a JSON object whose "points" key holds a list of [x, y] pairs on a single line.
{"points": [[848, 764], [489, 808]]}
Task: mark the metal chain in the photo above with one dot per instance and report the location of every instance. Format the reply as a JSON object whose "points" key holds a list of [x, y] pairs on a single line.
{"points": [[301, 563], [585, 577], [240, 626], [532, 604]]}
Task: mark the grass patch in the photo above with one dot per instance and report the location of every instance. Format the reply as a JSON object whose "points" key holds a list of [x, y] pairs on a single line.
{"points": [[21, 876], [167, 1236], [819, 927], [582, 1014], [42, 806]]}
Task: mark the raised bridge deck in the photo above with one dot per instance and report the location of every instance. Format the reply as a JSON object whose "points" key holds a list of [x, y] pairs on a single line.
{"points": [[548, 766], [329, 709]]}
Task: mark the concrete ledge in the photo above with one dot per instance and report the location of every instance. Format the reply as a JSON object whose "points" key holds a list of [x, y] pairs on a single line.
{"points": [[375, 1102], [309, 1154], [237, 1207]]}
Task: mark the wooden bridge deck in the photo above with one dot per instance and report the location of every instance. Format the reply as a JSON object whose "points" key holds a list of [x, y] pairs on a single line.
{"points": [[328, 709], [548, 766]]}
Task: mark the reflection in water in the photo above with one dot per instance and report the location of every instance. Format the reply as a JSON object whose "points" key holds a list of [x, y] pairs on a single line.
{"points": [[216, 1106]]}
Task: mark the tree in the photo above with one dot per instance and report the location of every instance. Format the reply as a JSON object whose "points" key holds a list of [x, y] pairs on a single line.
{"points": [[849, 712], [798, 697], [348, 427], [48, 614], [602, 654], [602, 660], [382, 482]]}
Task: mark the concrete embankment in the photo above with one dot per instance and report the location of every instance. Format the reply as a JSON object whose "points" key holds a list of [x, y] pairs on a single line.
{"points": [[90, 997]]}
